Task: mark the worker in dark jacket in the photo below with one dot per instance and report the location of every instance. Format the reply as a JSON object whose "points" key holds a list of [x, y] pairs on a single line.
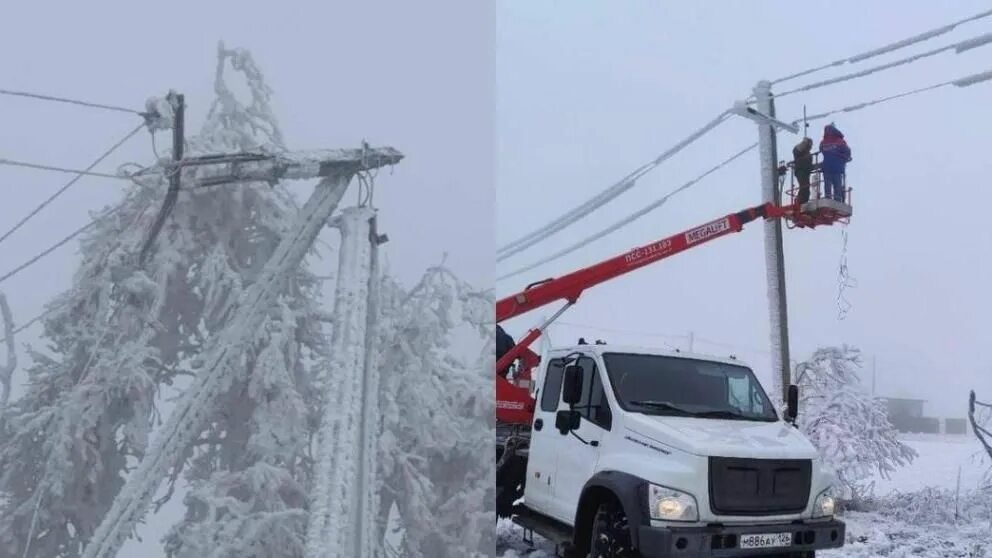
{"points": [[802, 167], [503, 345], [836, 154]]}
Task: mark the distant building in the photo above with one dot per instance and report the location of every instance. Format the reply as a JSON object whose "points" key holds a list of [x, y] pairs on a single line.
{"points": [[955, 426], [906, 415], [904, 408]]}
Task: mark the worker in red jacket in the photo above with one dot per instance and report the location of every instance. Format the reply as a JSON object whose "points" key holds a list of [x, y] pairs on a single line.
{"points": [[836, 154]]}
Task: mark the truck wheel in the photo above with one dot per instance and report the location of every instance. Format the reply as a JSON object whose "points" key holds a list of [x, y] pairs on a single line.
{"points": [[610, 533]]}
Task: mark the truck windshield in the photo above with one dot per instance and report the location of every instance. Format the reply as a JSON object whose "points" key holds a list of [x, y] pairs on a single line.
{"points": [[663, 385]]}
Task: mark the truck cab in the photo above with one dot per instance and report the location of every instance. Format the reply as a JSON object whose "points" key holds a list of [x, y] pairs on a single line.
{"points": [[656, 453]]}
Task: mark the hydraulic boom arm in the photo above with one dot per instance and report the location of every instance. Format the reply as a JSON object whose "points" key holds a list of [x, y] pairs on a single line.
{"points": [[570, 287]]}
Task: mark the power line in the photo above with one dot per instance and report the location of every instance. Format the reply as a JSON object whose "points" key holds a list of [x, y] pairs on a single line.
{"points": [[960, 82], [603, 197], [53, 168], [628, 182], [629, 218], [62, 190], [891, 47], [966, 81], [33, 321], [56, 307], [57, 245], [70, 101], [958, 47]]}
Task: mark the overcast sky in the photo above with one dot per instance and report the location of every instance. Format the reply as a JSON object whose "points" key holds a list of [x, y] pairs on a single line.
{"points": [[588, 91], [415, 76]]}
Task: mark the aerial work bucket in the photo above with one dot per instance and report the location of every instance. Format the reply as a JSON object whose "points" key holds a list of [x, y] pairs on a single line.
{"points": [[814, 209]]}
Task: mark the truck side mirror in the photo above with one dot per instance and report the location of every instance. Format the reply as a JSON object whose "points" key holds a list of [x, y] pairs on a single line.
{"points": [[572, 384], [792, 404], [567, 421]]}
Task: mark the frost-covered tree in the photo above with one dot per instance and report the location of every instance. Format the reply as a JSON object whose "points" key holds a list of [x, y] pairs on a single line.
{"points": [[122, 334], [436, 455], [848, 426], [6, 370]]}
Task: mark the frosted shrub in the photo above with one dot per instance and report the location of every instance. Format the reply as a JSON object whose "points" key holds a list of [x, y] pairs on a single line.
{"points": [[848, 426]]}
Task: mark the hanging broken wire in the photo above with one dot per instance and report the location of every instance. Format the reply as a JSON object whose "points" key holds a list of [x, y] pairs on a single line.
{"points": [[844, 280]]}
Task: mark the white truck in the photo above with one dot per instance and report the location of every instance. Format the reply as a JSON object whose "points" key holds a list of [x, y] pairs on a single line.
{"points": [[618, 451], [641, 452]]}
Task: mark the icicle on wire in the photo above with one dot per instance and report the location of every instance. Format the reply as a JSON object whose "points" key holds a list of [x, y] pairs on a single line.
{"points": [[844, 280], [602, 198], [966, 81], [891, 47], [629, 218], [958, 47]]}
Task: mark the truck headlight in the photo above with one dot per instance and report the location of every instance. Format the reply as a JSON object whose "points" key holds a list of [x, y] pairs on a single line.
{"points": [[671, 505], [824, 505]]}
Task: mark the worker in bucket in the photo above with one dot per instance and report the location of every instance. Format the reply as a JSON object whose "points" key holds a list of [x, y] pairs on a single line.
{"points": [[836, 154], [802, 167], [504, 343]]}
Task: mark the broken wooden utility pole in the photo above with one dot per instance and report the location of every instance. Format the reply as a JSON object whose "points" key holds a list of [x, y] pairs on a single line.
{"points": [[224, 352], [342, 517], [177, 104]]}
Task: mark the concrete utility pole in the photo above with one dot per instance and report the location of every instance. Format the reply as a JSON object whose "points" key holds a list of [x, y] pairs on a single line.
{"points": [[692, 339], [342, 519], [368, 508], [774, 254], [223, 355]]}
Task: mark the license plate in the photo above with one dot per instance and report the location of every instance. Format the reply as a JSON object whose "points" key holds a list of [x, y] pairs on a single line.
{"points": [[770, 540]]}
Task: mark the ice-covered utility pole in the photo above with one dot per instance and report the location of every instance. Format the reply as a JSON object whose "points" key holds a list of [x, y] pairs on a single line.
{"points": [[342, 509], [369, 493], [223, 355], [774, 255]]}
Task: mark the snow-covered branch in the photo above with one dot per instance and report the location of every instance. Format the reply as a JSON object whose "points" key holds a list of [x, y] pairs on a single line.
{"points": [[979, 421], [435, 458], [847, 425]]}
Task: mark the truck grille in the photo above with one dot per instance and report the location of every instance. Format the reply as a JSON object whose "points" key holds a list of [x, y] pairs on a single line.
{"points": [[740, 486]]}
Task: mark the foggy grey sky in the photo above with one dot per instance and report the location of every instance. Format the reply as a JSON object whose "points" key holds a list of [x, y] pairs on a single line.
{"points": [[385, 71], [415, 76], [588, 91]]}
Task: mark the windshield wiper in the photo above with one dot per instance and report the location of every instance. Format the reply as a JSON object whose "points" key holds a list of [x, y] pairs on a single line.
{"points": [[724, 414], [663, 406]]}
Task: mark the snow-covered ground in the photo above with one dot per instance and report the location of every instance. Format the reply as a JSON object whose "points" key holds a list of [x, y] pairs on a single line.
{"points": [[920, 524]]}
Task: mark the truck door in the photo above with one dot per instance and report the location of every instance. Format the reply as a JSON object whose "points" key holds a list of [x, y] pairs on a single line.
{"points": [[544, 441], [577, 459]]}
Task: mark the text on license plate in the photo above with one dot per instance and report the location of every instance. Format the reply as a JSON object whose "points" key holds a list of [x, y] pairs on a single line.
{"points": [[771, 540]]}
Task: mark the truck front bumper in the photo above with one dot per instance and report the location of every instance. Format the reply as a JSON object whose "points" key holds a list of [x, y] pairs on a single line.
{"points": [[723, 540]]}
